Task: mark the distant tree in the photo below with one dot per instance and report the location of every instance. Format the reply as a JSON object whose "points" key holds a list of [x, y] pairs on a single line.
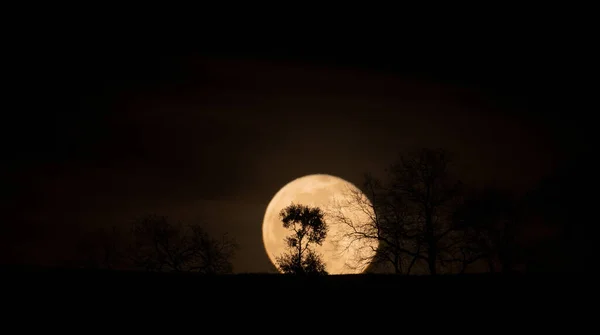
{"points": [[488, 220], [561, 203], [98, 249], [158, 245], [410, 212], [309, 228]]}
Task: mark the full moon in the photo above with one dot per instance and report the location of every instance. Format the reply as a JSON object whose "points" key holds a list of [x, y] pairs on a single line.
{"points": [[323, 191]]}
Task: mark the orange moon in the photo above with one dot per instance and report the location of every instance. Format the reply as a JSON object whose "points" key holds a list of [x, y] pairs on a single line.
{"points": [[323, 191]]}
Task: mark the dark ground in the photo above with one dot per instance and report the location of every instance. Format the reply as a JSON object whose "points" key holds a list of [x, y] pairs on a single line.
{"points": [[381, 286], [247, 302]]}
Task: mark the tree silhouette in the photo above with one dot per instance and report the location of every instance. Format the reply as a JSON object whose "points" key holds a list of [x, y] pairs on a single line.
{"points": [[382, 236], [158, 245], [424, 180], [99, 249], [560, 202], [409, 213], [488, 220], [309, 228]]}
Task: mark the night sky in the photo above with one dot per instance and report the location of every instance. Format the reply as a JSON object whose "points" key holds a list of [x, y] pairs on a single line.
{"points": [[100, 138]]}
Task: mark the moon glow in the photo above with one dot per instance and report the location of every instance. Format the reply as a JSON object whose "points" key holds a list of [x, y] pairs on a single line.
{"points": [[323, 191]]}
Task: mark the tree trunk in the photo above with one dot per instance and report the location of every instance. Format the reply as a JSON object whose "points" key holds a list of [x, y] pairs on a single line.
{"points": [[431, 243], [396, 264], [432, 259], [491, 265], [299, 260]]}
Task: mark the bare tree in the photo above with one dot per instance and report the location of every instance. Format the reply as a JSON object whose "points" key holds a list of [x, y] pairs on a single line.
{"points": [[423, 178], [488, 220], [408, 214], [99, 249], [308, 228], [375, 227], [158, 245]]}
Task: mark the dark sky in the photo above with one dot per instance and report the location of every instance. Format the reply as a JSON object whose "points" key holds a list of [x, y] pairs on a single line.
{"points": [[101, 137]]}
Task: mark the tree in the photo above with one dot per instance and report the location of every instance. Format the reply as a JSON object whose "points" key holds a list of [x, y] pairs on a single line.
{"points": [[409, 212], [309, 228], [488, 221], [560, 204], [380, 232], [158, 245], [99, 249], [424, 180]]}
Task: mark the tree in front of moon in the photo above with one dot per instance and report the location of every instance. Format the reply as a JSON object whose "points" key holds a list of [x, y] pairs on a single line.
{"points": [[322, 191], [412, 210], [309, 228]]}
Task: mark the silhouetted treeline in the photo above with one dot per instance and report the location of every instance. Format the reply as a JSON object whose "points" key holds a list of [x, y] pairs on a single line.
{"points": [[423, 218], [563, 204], [427, 221], [153, 243]]}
